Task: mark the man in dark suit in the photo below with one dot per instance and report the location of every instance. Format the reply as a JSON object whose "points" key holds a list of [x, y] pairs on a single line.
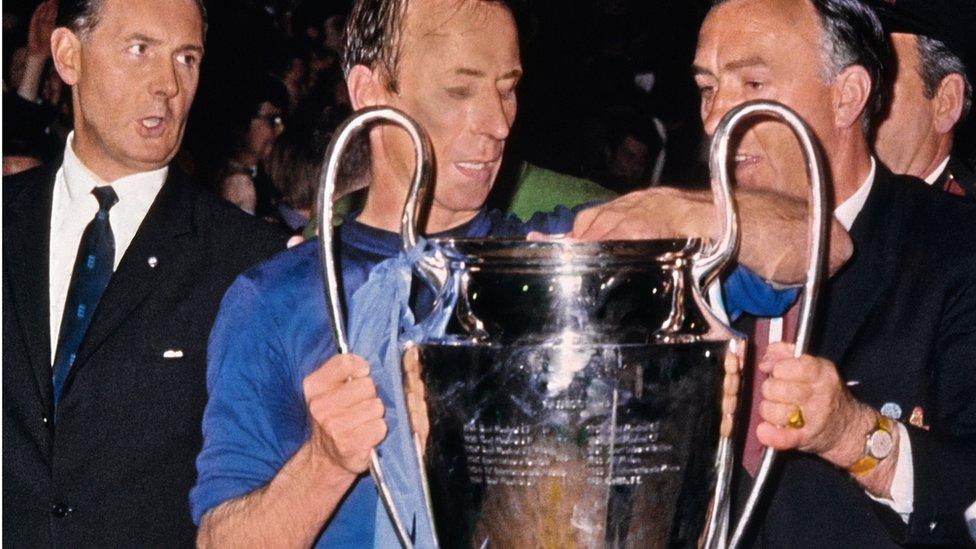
{"points": [[879, 433], [935, 52], [113, 267]]}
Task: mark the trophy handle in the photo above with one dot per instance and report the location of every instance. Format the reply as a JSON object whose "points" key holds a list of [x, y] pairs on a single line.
{"points": [[716, 255], [327, 183], [817, 233], [433, 269]]}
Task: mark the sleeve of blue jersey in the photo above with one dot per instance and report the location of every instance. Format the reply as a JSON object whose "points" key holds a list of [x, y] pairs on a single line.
{"points": [[250, 424], [746, 292], [742, 290], [558, 221]]}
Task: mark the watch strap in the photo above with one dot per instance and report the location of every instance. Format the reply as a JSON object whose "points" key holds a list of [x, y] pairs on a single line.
{"points": [[867, 462]]}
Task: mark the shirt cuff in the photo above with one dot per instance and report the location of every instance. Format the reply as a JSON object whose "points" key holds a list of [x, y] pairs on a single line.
{"points": [[903, 484]]}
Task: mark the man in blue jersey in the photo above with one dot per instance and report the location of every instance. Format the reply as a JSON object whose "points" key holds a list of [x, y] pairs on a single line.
{"points": [[290, 425]]}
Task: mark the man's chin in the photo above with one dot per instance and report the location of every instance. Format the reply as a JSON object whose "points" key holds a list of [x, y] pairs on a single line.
{"points": [[460, 202], [152, 158]]}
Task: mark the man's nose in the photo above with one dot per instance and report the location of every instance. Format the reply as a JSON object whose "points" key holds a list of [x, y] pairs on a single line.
{"points": [[712, 112], [494, 118], [164, 80]]}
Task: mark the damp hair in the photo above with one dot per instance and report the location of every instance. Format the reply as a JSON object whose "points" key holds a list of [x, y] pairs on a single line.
{"points": [[374, 32]]}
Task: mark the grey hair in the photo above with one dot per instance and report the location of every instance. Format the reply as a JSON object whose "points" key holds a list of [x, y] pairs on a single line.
{"points": [[851, 34], [936, 62], [82, 16]]}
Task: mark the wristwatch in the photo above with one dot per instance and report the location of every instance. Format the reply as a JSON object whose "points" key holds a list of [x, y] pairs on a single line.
{"points": [[878, 445]]}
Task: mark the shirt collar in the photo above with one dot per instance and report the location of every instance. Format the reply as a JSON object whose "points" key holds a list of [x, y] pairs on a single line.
{"points": [[138, 190], [387, 243], [930, 178], [847, 212]]}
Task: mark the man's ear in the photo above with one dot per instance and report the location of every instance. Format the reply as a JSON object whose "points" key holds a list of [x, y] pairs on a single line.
{"points": [[948, 102], [66, 53], [852, 87], [365, 87]]}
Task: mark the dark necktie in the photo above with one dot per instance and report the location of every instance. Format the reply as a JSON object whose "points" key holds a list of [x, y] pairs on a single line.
{"points": [[90, 276]]}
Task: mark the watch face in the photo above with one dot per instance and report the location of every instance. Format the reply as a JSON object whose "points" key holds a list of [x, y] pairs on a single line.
{"points": [[880, 444]]}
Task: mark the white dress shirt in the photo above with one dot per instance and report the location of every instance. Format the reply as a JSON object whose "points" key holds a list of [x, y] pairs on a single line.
{"points": [[74, 206], [930, 178], [903, 484]]}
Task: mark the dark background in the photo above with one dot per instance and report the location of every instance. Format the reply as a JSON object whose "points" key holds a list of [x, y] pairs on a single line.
{"points": [[580, 57]]}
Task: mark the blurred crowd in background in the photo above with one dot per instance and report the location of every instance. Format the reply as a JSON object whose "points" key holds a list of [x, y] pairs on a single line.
{"points": [[607, 96]]}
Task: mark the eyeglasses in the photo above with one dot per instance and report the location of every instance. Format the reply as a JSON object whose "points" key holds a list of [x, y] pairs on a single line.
{"points": [[271, 119]]}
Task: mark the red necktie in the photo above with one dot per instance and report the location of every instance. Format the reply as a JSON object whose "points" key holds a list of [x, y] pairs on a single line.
{"points": [[752, 451]]}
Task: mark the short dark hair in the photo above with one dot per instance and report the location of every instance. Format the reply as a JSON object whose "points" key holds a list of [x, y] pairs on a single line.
{"points": [[851, 34], [81, 16], [936, 61]]}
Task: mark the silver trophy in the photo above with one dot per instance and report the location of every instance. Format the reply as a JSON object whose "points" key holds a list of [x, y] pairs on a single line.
{"points": [[575, 399]]}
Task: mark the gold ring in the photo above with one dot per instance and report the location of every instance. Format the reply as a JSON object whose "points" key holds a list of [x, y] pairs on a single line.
{"points": [[795, 421]]}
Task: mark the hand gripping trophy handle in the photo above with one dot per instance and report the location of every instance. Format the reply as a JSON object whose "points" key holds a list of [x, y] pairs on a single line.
{"points": [[721, 251], [327, 184]]}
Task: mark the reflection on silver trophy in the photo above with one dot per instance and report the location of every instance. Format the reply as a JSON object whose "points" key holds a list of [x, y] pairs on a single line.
{"points": [[576, 398]]}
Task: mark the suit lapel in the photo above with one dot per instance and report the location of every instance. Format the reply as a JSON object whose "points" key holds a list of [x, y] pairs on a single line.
{"points": [[26, 245], [853, 293], [154, 254]]}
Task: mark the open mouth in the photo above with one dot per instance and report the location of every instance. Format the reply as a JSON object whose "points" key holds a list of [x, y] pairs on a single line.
{"points": [[476, 170], [744, 160], [152, 126]]}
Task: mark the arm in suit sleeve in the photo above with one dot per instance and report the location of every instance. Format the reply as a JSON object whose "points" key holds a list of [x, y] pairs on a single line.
{"points": [[944, 457]]}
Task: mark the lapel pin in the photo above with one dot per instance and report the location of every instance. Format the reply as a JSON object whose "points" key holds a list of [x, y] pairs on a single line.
{"points": [[173, 353], [891, 410], [853, 383], [918, 418], [152, 262]]}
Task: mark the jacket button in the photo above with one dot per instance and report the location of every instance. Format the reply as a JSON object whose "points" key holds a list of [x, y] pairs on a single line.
{"points": [[60, 511]]}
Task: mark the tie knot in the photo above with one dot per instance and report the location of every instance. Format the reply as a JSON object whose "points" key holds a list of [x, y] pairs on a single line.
{"points": [[106, 197]]}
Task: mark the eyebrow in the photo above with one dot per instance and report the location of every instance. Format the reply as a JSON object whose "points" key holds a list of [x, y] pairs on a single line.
{"points": [[155, 42], [731, 65], [143, 38], [466, 71]]}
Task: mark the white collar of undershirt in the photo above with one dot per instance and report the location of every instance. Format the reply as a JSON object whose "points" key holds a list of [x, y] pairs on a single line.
{"points": [[137, 191], [847, 212], [930, 178]]}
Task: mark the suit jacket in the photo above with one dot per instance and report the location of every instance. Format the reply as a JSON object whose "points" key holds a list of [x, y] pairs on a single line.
{"points": [[899, 320], [116, 469]]}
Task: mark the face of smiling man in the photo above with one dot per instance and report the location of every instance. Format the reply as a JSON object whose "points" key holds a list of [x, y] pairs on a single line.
{"points": [[133, 80], [771, 49], [456, 75]]}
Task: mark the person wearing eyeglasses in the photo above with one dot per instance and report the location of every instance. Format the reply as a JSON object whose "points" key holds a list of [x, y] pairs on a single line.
{"points": [[255, 120]]}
